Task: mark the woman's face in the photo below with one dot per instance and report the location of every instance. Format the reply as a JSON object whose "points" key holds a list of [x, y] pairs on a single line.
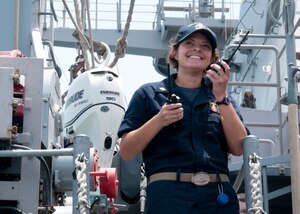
{"points": [[194, 53]]}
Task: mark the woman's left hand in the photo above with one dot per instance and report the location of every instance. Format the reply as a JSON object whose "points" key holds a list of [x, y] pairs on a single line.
{"points": [[219, 78]]}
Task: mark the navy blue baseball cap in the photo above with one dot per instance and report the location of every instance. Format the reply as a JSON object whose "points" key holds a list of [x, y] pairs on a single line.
{"points": [[185, 31]]}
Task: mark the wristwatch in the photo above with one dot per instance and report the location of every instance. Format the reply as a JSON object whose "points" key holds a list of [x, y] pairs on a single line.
{"points": [[224, 101]]}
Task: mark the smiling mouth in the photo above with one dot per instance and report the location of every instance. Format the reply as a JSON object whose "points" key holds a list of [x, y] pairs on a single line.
{"points": [[195, 57]]}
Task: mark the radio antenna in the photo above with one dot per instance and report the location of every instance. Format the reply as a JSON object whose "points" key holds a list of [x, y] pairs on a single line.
{"points": [[169, 82], [230, 58]]}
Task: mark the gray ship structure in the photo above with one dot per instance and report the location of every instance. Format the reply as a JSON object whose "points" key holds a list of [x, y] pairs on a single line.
{"points": [[59, 147]]}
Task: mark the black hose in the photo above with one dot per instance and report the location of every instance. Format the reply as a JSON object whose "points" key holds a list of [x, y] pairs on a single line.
{"points": [[44, 163]]}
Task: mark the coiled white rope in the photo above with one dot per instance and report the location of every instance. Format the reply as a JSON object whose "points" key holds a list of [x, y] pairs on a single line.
{"points": [[122, 42], [255, 185], [79, 27], [81, 36], [86, 45], [80, 164], [90, 32]]}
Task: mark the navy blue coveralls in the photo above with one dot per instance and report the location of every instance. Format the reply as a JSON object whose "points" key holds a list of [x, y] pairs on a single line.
{"points": [[198, 144]]}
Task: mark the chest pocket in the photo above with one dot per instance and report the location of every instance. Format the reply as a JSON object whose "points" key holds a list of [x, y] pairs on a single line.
{"points": [[208, 123], [213, 124], [214, 117], [205, 114]]}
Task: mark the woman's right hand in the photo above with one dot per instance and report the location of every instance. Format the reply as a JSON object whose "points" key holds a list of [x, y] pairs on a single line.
{"points": [[170, 113]]}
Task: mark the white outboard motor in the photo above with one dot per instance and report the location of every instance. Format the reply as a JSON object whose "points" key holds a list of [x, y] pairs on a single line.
{"points": [[95, 106]]}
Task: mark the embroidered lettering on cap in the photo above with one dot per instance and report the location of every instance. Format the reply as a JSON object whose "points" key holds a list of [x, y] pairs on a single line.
{"points": [[200, 26]]}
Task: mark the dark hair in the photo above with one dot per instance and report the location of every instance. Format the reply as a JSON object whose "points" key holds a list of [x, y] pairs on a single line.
{"points": [[173, 46]]}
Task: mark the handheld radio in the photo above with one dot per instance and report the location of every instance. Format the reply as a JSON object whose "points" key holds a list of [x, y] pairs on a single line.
{"points": [[172, 98], [232, 55]]}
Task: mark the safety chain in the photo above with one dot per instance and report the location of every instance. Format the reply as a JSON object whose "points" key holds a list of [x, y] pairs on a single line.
{"points": [[122, 42], [143, 177], [143, 187], [255, 184], [80, 163]]}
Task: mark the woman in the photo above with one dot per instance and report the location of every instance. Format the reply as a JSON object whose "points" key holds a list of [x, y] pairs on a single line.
{"points": [[185, 145]]}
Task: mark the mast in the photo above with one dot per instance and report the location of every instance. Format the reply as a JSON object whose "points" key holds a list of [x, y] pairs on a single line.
{"points": [[293, 124]]}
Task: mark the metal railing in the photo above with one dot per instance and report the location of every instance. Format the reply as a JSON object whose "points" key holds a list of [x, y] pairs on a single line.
{"points": [[147, 14]]}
